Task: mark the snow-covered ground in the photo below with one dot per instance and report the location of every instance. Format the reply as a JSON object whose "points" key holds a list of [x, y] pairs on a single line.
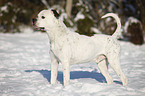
{"points": [[25, 70]]}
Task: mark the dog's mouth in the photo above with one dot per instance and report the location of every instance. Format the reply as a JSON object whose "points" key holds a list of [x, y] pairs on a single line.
{"points": [[40, 28]]}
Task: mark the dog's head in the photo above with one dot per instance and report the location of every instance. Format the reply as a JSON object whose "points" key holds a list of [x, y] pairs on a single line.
{"points": [[46, 19]]}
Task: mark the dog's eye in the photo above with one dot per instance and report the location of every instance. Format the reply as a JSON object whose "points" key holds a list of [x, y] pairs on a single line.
{"points": [[42, 17]]}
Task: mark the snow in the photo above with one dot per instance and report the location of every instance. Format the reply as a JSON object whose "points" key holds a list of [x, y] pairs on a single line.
{"points": [[25, 70], [4, 8], [95, 30], [79, 16]]}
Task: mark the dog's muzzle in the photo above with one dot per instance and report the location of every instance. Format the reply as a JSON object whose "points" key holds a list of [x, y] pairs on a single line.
{"points": [[34, 20]]}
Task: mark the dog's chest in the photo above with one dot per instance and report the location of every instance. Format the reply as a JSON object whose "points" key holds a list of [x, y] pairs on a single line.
{"points": [[56, 48]]}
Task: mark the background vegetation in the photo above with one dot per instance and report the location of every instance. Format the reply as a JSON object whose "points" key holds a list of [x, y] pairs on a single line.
{"points": [[83, 16]]}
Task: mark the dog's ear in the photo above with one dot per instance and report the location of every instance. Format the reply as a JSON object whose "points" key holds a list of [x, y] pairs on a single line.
{"points": [[55, 13]]}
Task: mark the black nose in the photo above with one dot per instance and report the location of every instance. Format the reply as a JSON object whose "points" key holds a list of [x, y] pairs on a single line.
{"points": [[34, 20]]}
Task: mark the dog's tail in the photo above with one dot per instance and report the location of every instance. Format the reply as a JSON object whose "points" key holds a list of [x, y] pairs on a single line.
{"points": [[118, 29]]}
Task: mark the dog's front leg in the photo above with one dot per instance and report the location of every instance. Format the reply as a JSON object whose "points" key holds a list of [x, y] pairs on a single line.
{"points": [[66, 73], [54, 68]]}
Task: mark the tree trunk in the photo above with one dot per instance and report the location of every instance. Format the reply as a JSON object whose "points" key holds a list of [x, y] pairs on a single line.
{"points": [[69, 7], [121, 13], [45, 3]]}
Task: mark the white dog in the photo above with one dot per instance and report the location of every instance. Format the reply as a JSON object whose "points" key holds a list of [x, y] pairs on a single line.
{"points": [[70, 48]]}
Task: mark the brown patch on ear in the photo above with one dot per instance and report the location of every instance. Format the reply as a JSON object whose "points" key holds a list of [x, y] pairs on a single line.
{"points": [[55, 13]]}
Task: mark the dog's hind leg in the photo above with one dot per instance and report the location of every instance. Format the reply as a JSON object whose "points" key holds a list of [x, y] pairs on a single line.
{"points": [[115, 64], [102, 64]]}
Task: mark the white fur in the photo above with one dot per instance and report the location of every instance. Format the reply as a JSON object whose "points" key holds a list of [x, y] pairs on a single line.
{"points": [[71, 48]]}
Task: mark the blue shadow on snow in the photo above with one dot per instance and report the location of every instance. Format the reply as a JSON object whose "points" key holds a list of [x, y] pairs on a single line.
{"points": [[73, 75]]}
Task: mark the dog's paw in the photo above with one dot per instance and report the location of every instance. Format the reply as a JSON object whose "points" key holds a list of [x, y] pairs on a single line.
{"points": [[109, 81], [125, 81]]}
